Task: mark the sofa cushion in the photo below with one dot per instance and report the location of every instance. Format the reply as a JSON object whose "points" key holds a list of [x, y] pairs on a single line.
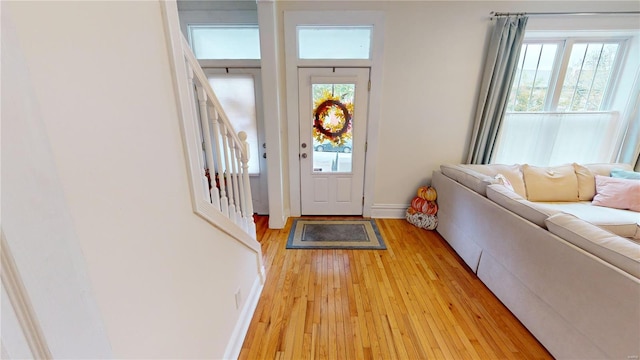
{"points": [[519, 205], [511, 172], [618, 251], [473, 180], [623, 223], [586, 177], [586, 182], [558, 183], [617, 193]]}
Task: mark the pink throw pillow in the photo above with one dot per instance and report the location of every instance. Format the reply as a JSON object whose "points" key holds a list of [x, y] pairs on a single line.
{"points": [[617, 193]]}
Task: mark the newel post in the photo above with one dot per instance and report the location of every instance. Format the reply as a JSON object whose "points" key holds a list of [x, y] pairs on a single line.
{"points": [[247, 189]]}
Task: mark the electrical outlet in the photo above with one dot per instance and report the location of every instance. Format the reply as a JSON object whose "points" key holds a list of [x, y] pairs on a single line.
{"points": [[238, 299]]}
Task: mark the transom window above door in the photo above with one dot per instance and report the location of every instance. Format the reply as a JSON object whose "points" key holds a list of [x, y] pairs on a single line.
{"points": [[334, 42], [225, 42]]}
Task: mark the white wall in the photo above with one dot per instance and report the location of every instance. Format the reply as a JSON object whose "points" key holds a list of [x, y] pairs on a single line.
{"points": [[434, 54], [163, 280], [38, 226]]}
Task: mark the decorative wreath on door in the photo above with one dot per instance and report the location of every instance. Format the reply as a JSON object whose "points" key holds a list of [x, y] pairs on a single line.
{"points": [[323, 126]]}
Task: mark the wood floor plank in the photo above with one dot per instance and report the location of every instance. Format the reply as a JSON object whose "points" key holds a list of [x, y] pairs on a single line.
{"points": [[415, 300]]}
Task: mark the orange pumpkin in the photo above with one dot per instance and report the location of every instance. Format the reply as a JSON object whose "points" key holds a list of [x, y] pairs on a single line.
{"points": [[432, 208], [427, 193], [419, 204], [411, 211], [424, 206]]}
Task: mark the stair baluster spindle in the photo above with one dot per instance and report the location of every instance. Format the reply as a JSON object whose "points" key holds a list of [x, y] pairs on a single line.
{"points": [[227, 171], [247, 191], [234, 178], [224, 202], [243, 201]]}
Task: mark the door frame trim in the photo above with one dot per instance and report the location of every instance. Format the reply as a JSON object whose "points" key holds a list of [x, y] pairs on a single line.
{"points": [[291, 20]]}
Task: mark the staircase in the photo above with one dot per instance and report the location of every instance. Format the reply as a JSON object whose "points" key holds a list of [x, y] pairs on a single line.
{"points": [[218, 156], [225, 175]]}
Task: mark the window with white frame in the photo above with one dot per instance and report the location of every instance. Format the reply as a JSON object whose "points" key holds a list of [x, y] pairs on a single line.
{"points": [[226, 41], [561, 104], [355, 40]]}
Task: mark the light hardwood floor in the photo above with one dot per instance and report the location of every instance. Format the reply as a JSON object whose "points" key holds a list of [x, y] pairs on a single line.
{"points": [[415, 300]]}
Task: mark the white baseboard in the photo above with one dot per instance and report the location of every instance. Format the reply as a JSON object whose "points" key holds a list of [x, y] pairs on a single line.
{"points": [[389, 211], [242, 326]]}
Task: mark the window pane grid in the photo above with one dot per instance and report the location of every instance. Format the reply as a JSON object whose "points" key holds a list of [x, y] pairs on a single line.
{"points": [[590, 68], [513, 98], [593, 79], [538, 101], [604, 72], [576, 92], [530, 90]]}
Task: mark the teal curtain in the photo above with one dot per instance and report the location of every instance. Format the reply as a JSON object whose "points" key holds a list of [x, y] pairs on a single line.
{"points": [[499, 71]]}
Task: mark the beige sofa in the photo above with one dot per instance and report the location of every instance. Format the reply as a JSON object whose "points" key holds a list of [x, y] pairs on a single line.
{"points": [[568, 270]]}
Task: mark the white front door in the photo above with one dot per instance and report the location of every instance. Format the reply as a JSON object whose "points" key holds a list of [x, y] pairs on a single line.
{"points": [[239, 92], [333, 105]]}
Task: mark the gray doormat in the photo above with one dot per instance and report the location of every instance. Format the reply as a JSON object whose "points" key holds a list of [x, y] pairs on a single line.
{"points": [[335, 234]]}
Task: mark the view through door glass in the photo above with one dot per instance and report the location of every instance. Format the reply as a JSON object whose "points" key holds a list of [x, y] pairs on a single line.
{"points": [[332, 127]]}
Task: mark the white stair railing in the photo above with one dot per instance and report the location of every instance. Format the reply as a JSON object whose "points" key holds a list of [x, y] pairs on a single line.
{"points": [[225, 152]]}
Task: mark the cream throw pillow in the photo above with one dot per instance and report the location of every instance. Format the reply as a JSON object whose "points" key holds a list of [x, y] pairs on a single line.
{"points": [[558, 183], [586, 182]]}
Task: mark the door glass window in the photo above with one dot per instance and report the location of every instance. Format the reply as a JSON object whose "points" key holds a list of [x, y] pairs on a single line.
{"points": [[332, 127], [236, 94]]}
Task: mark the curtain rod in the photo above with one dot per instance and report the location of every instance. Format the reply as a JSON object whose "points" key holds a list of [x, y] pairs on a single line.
{"points": [[572, 13]]}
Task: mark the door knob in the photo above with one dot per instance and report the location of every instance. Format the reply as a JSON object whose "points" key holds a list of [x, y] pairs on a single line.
{"points": [[304, 155], [304, 145]]}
